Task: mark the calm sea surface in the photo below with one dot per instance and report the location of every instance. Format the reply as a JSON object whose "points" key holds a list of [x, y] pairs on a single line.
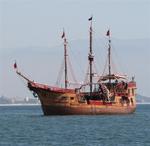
{"points": [[26, 126]]}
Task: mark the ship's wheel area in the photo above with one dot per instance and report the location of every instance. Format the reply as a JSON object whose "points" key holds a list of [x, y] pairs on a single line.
{"points": [[119, 90]]}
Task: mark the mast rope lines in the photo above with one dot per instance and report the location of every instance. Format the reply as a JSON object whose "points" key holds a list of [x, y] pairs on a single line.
{"points": [[109, 61], [66, 63], [75, 54]]}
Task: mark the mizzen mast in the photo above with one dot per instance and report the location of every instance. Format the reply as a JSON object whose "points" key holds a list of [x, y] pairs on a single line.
{"points": [[91, 57]]}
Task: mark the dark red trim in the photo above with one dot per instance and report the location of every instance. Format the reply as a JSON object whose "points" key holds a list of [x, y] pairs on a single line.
{"points": [[51, 88], [132, 84]]}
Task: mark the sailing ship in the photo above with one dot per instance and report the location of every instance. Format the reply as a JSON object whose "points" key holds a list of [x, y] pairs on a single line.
{"points": [[110, 94]]}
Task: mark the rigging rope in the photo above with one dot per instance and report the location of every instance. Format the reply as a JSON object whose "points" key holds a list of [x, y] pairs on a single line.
{"points": [[60, 74], [96, 71], [75, 55], [99, 53], [71, 70], [86, 75], [105, 66], [119, 62]]}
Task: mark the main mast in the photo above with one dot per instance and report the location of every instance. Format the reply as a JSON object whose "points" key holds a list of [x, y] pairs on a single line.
{"points": [[109, 54], [65, 59], [90, 57]]}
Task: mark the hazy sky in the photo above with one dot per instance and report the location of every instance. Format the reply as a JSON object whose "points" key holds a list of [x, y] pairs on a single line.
{"points": [[39, 23], [26, 23]]}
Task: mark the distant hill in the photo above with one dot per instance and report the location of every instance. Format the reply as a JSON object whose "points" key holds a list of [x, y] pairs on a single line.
{"points": [[142, 99]]}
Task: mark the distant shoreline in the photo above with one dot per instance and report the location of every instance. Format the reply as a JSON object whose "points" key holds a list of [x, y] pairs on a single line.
{"points": [[20, 104]]}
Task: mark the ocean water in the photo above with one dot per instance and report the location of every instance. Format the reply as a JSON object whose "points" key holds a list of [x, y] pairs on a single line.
{"points": [[26, 126]]}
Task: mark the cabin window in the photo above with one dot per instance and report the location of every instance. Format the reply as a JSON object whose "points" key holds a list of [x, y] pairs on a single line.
{"points": [[72, 98], [132, 92]]}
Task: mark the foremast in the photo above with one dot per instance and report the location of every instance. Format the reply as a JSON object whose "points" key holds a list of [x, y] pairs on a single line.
{"points": [[90, 57], [65, 59]]}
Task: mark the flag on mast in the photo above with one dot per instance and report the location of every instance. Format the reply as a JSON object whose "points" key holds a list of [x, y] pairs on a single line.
{"points": [[63, 35], [15, 65], [90, 18], [108, 33]]}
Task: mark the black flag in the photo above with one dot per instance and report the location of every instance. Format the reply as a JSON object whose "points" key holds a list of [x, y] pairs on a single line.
{"points": [[108, 33], [15, 65], [90, 18]]}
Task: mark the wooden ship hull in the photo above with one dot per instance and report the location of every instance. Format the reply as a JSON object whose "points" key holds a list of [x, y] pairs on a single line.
{"points": [[86, 110], [60, 101]]}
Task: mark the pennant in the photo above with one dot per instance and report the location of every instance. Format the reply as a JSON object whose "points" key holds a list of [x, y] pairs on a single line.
{"points": [[15, 65], [63, 35], [108, 33], [90, 18]]}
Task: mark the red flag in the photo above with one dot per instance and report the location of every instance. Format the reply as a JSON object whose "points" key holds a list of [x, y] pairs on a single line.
{"points": [[108, 33], [63, 35], [15, 65]]}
